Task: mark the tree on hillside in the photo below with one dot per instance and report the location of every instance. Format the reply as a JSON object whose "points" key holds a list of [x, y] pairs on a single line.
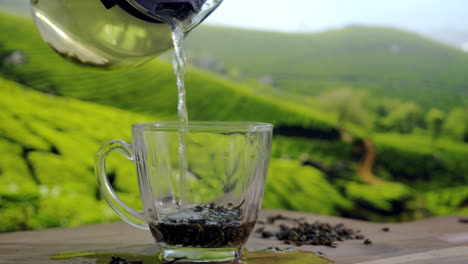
{"points": [[349, 108], [402, 117], [435, 120], [347, 105], [456, 124]]}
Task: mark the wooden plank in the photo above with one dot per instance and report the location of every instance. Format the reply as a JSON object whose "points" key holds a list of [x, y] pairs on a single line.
{"points": [[446, 255], [424, 239]]}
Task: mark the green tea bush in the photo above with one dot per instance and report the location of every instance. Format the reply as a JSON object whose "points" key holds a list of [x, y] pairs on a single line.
{"points": [[46, 173], [442, 201], [386, 201], [295, 187], [417, 160]]}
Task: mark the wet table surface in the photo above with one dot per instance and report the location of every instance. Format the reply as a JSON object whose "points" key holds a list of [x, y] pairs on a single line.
{"points": [[436, 240]]}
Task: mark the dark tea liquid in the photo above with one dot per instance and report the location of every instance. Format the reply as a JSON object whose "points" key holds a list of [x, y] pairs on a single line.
{"points": [[203, 227]]}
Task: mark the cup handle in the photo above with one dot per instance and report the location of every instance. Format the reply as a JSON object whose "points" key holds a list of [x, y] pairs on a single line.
{"points": [[127, 213]]}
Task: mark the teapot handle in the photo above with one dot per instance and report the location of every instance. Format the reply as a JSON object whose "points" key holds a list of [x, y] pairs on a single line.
{"points": [[125, 212]]}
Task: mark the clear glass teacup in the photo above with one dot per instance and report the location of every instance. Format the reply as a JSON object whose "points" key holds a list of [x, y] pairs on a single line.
{"points": [[201, 185]]}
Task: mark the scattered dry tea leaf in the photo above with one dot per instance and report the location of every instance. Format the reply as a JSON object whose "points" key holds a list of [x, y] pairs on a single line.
{"points": [[317, 233]]}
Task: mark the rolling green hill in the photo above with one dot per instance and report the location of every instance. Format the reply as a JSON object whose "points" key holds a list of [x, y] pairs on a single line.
{"points": [[385, 62]]}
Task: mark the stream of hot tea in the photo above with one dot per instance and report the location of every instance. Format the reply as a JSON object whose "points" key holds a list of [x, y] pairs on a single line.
{"points": [[179, 30], [179, 61]]}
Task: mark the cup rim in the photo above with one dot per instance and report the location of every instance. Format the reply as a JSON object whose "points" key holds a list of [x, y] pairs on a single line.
{"points": [[205, 125]]}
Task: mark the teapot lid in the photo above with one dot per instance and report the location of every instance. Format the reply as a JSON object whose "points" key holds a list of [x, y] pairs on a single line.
{"points": [[157, 4], [156, 10]]}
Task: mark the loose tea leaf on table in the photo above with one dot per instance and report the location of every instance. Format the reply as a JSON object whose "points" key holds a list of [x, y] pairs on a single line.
{"points": [[317, 233]]}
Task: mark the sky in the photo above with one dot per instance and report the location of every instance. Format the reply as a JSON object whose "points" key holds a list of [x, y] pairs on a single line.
{"points": [[441, 20], [319, 15]]}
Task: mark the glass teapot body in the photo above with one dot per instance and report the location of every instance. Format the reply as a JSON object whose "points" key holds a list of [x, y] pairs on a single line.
{"points": [[111, 34]]}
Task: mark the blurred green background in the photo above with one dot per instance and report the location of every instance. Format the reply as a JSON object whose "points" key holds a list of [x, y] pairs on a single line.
{"points": [[370, 122]]}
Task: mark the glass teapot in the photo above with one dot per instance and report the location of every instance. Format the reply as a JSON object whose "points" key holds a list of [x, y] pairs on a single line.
{"points": [[111, 34]]}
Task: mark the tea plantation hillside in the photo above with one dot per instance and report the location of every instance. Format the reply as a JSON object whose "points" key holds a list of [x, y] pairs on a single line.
{"points": [[312, 169], [48, 143], [383, 61], [46, 171], [150, 89]]}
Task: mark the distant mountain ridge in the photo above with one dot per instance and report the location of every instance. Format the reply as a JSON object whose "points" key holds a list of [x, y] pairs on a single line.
{"points": [[454, 37], [383, 61]]}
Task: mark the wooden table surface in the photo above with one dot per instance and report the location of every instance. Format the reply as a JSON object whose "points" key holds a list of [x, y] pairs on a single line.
{"points": [[436, 240]]}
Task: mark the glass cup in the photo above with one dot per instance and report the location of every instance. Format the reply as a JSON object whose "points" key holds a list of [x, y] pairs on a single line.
{"points": [[201, 185]]}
